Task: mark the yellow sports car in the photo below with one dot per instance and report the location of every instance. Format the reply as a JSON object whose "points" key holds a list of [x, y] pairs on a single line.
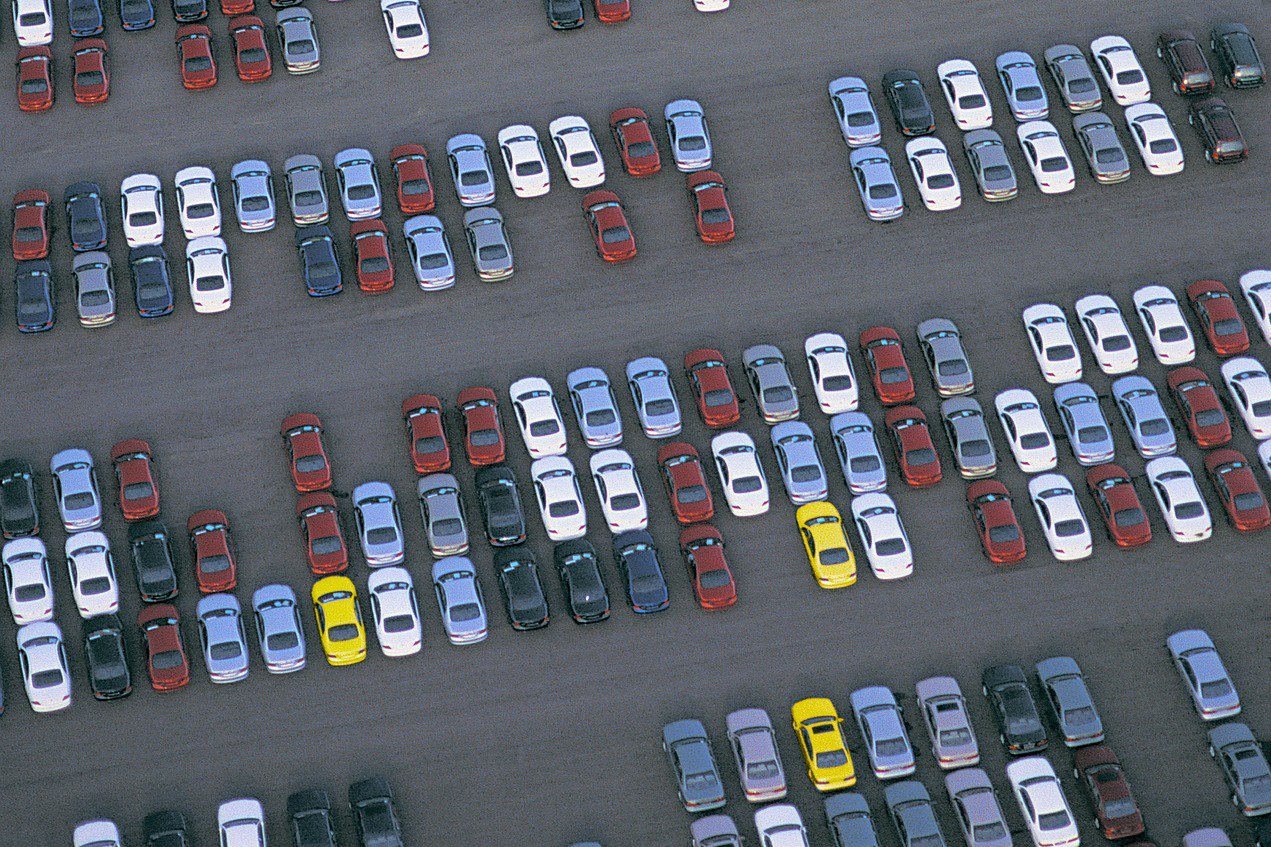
{"points": [[339, 620], [820, 732], [821, 526]]}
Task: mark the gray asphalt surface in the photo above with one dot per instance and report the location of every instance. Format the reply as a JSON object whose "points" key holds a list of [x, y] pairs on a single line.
{"points": [[552, 737]]}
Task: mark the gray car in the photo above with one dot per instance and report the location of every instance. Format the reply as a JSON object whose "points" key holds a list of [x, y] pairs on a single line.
{"points": [[709, 831], [1244, 765], [1074, 79], [429, 252], [880, 723], [849, 821], [876, 181], [298, 38], [441, 506], [224, 642], [1071, 707], [854, 108], [913, 814], [1084, 423], [488, 243], [969, 439], [977, 809], [252, 184], [94, 289], [799, 461], [655, 403], [1098, 140], [946, 358], [1023, 87], [1144, 416], [459, 599], [754, 745], [696, 774], [75, 486], [770, 381], [358, 184], [1196, 658], [944, 712], [858, 453], [278, 628], [595, 407], [379, 526], [470, 169], [994, 175], [306, 190], [690, 139]]}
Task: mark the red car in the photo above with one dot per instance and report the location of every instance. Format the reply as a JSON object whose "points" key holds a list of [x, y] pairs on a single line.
{"points": [[324, 540], [995, 521], [1238, 490], [165, 653], [31, 224], [1198, 401], [198, 65], [713, 390], [35, 79], [1099, 771], [310, 470], [426, 434], [92, 71], [371, 256], [251, 49], [685, 482], [915, 452], [482, 429], [612, 11], [634, 136], [885, 358], [608, 221], [134, 470], [238, 7], [1218, 317], [1123, 515], [711, 214], [414, 180], [703, 549], [215, 567]]}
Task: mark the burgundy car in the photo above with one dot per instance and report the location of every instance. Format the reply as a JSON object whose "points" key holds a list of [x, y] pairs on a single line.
{"points": [[711, 213], [1238, 489], [91, 82], [885, 358], [251, 49], [1206, 419], [703, 549], [426, 434], [324, 539], [310, 470], [165, 652], [713, 390], [1119, 505], [1100, 773], [994, 514], [414, 181], [1218, 317], [35, 79], [31, 224], [212, 549], [911, 439], [685, 482], [482, 428], [134, 471], [634, 136], [609, 226], [1188, 68], [198, 65]]}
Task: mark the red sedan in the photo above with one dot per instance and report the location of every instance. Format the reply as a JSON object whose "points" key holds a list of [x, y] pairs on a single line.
{"points": [[1123, 515], [1238, 490], [685, 482], [198, 65], [371, 256], [425, 434], [995, 521], [885, 358], [251, 49], [482, 429], [165, 653], [703, 549], [35, 79], [31, 224], [134, 470], [215, 567], [92, 71], [634, 136], [608, 221], [310, 470], [1218, 317], [713, 390], [324, 540], [1103, 778], [711, 214], [238, 7], [414, 180], [612, 11], [1198, 401], [915, 452]]}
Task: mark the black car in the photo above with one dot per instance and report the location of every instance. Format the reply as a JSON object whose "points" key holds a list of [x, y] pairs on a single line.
{"points": [[136, 14], [189, 11], [86, 216], [372, 803], [909, 103], [107, 662], [151, 281], [34, 306], [523, 596], [85, 18], [1189, 71], [165, 829], [309, 817], [152, 560], [637, 558], [580, 579], [318, 261], [500, 503], [1019, 725], [1221, 135], [1237, 55], [19, 509], [564, 14]]}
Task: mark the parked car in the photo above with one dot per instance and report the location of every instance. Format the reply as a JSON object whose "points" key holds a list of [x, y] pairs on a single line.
{"points": [[993, 511], [1042, 802], [483, 439], [152, 560], [223, 637], [1020, 727], [799, 462], [1196, 658], [323, 536], [754, 745], [459, 598], [1155, 139], [708, 378], [908, 101], [854, 107], [1238, 489], [1237, 55], [166, 659], [689, 135], [636, 556], [986, 154], [881, 724], [91, 568], [740, 473], [696, 775], [1249, 388], [1047, 158], [877, 184], [278, 628], [1219, 132], [1185, 60], [1017, 72], [302, 436], [75, 486], [502, 514], [823, 743], [1122, 71], [912, 445], [577, 151], [633, 135], [1202, 411], [395, 611], [340, 626], [849, 820], [441, 508], [969, 439], [1027, 432], [415, 192], [1073, 78], [978, 812], [1105, 156], [860, 459], [105, 657], [379, 524], [212, 550], [375, 813], [1244, 765], [1071, 707], [964, 92], [649, 380], [685, 483], [595, 408], [1163, 323], [1144, 416], [913, 814], [1084, 423], [426, 433], [1118, 503], [319, 261], [619, 491], [523, 597], [1099, 772], [298, 38], [1061, 517], [252, 185], [944, 713], [581, 582], [883, 536], [488, 244], [1181, 503]]}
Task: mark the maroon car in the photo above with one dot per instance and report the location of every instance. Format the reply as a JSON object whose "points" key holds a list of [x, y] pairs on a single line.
{"points": [[372, 259], [609, 226], [1215, 122], [612, 11], [414, 180], [165, 652], [995, 521], [482, 428], [634, 136], [1119, 505], [888, 370], [712, 389], [1238, 489], [1206, 419], [198, 64], [712, 215], [911, 439], [1100, 773], [134, 471], [324, 539], [212, 549], [1188, 69], [1216, 311], [703, 549], [310, 470], [31, 224], [425, 433], [685, 482]]}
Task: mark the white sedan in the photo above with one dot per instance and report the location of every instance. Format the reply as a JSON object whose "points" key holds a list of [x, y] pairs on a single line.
{"points": [[1042, 802], [141, 206], [396, 611], [577, 151], [538, 416], [1026, 431], [1163, 323], [207, 266], [524, 161], [1155, 139], [1106, 332], [97, 833], [198, 204], [1182, 505], [740, 474], [833, 378], [710, 5], [26, 580], [1053, 345], [1063, 522], [1250, 388], [964, 92], [883, 535], [1264, 457], [45, 672], [407, 29], [1256, 285], [619, 491], [92, 571], [560, 501], [933, 171], [1046, 156], [33, 22], [1122, 71]]}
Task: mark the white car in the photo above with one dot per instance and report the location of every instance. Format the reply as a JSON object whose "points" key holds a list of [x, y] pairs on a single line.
{"points": [[33, 22], [1163, 322], [1256, 285], [710, 5], [1063, 522], [538, 416], [965, 93], [1109, 338], [523, 161], [207, 266], [198, 202], [560, 500], [97, 833], [883, 535], [1053, 345], [740, 474], [650, 382], [577, 151], [45, 672], [1122, 71], [1042, 802], [1026, 430], [619, 491], [1184, 509], [781, 825], [26, 580], [407, 29], [241, 823], [75, 486], [1155, 139], [396, 611], [933, 171], [92, 570], [1046, 157], [833, 378], [141, 206], [1250, 388], [1264, 457], [689, 136]]}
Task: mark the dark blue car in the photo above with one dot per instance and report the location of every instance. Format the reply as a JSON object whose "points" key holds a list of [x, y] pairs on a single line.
{"points": [[637, 558], [151, 282], [34, 305], [86, 217], [318, 261], [136, 14], [85, 18]]}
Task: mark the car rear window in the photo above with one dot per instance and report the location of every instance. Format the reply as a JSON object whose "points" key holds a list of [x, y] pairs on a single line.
{"points": [[225, 650], [410, 31], [1163, 145], [398, 623], [465, 612], [1081, 86], [433, 261], [1109, 156], [563, 508], [1130, 77], [693, 142], [997, 172], [311, 463], [300, 46], [167, 660], [718, 397], [1028, 92], [1185, 511], [492, 252], [96, 585], [864, 464], [200, 210], [1228, 326], [921, 456], [214, 564], [639, 149], [972, 101], [615, 235], [326, 544], [1054, 164], [1065, 529], [471, 178], [656, 408], [890, 547], [282, 641], [529, 168], [1092, 434], [805, 473], [381, 535], [777, 394], [1004, 533], [138, 491], [27, 593], [747, 484], [1248, 500], [581, 160], [415, 186], [883, 191], [978, 447]]}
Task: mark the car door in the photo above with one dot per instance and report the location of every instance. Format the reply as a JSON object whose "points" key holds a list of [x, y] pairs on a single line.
{"points": [[1043, 514]]}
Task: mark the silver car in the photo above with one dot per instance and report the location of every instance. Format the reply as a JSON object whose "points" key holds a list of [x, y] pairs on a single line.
{"points": [[298, 37], [1244, 765], [429, 252], [854, 108], [979, 814], [770, 381], [488, 243], [697, 779], [876, 181], [944, 713], [1144, 416], [656, 406], [463, 614], [470, 169], [221, 633], [689, 136], [441, 506], [986, 153], [856, 446], [358, 184], [252, 184], [1064, 690], [306, 190], [799, 461], [595, 407], [1083, 421], [94, 289], [707, 831], [278, 627], [850, 823], [946, 358], [879, 720], [75, 486], [754, 745], [969, 439], [1105, 156], [1024, 93], [1074, 79], [379, 526], [1198, 663]]}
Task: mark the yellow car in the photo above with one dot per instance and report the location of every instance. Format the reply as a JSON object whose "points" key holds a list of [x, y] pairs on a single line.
{"points": [[821, 526], [339, 620], [820, 732]]}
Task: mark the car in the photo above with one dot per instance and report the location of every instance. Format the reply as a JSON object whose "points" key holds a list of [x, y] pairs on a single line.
{"points": [[1020, 727], [854, 108], [636, 556], [1042, 803], [35, 79], [1194, 394], [134, 471], [207, 267], [1163, 323], [1210, 686], [656, 407], [944, 713], [1249, 388], [1264, 456], [415, 193], [523, 160], [740, 473], [932, 168], [1046, 156], [609, 226], [1241, 495], [689, 135], [883, 536], [45, 671], [340, 626], [1237, 54], [823, 743], [825, 542], [564, 14], [136, 15], [471, 170], [538, 416], [166, 660], [358, 184], [560, 500], [1123, 515], [697, 778], [769, 378], [581, 582], [1099, 772], [429, 250], [371, 802], [946, 358], [1122, 72], [1185, 60], [459, 599], [31, 224], [91, 80], [618, 490], [35, 306], [1071, 707], [523, 596], [91, 568], [483, 429], [19, 507], [876, 181], [33, 22], [1144, 416], [441, 507], [105, 658], [141, 208], [712, 215], [1098, 140], [879, 719], [712, 389], [85, 18], [309, 818], [426, 433], [916, 456], [612, 11], [1216, 123], [212, 550], [152, 560], [850, 823], [252, 184], [702, 547], [372, 258], [779, 825], [86, 217], [407, 29], [319, 261], [325, 549], [1182, 506], [978, 812], [885, 359], [964, 92], [188, 11], [306, 190], [223, 638], [633, 136], [1073, 78], [379, 524], [754, 744], [710, 5], [856, 445], [251, 49], [799, 462], [198, 203], [913, 814], [1061, 517], [278, 628], [595, 408], [1053, 345], [198, 62], [1155, 139], [500, 502], [307, 456], [1027, 433], [986, 154], [1256, 287], [298, 40], [907, 98], [1025, 95], [993, 511], [27, 582], [1244, 765], [1106, 332], [577, 151], [395, 611], [833, 378], [241, 822], [968, 436], [75, 487], [685, 483], [488, 243]]}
